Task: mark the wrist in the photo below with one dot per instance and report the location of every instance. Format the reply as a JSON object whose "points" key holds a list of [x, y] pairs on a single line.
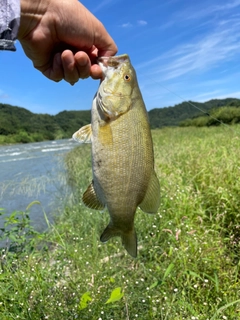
{"points": [[31, 14]]}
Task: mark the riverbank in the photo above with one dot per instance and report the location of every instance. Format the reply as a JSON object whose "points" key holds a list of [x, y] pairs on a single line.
{"points": [[188, 263], [24, 137], [34, 171]]}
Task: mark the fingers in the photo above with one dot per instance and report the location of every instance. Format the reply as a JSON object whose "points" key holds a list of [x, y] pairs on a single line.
{"points": [[78, 66], [55, 72], [83, 64], [71, 67]]}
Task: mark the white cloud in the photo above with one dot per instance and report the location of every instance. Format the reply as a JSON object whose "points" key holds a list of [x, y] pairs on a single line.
{"points": [[142, 22], [226, 6], [207, 95], [208, 52], [207, 10], [129, 24], [230, 94], [103, 4], [126, 25]]}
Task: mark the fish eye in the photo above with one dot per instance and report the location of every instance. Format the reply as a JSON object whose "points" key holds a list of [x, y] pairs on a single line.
{"points": [[127, 77]]}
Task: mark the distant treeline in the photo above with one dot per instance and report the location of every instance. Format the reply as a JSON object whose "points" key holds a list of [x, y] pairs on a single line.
{"points": [[19, 125], [228, 115], [186, 114]]}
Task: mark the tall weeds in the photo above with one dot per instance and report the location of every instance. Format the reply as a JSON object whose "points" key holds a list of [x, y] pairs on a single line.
{"points": [[188, 263]]}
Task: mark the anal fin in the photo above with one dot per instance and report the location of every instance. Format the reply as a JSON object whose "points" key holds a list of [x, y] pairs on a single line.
{"points": [[84, 134], [151, 201], [91, 200]]}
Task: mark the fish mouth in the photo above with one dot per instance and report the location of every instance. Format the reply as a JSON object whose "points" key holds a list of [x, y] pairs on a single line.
{"points": [[114, 61], [111, 64]]}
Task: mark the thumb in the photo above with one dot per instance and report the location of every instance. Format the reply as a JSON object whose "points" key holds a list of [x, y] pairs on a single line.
{"points": [[104, 42]]}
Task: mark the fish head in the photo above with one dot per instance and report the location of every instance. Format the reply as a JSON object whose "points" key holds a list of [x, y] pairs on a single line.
{"points": [[114, 95]]}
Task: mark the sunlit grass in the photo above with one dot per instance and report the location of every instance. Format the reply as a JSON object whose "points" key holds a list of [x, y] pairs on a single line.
{"points": [[188, 261]]}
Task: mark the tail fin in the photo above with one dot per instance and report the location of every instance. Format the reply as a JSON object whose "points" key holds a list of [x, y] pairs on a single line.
{"points": [[129, 239]]}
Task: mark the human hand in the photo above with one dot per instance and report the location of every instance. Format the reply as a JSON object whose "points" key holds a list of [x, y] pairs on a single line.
{"points": [[63, 39]]}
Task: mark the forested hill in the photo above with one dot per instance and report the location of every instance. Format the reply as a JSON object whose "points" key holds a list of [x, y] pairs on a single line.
{"points": [[173, 116], [20, 125]]}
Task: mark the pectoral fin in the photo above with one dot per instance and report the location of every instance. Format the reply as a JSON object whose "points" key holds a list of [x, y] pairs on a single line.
{"points": [[151, 201], [91, 200], [84, 134], [129, 239]]}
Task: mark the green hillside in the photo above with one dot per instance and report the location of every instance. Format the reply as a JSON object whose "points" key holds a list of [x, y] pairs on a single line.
{"points": [[22, 126], [71, 121], [229, 114], [173, 116]]}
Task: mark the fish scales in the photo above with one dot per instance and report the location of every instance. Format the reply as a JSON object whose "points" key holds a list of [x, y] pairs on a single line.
{"points": [[127, 161], [122, 152]]}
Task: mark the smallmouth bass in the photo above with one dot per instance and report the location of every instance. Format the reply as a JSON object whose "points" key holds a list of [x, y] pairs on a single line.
{"points": [[122, 152]]}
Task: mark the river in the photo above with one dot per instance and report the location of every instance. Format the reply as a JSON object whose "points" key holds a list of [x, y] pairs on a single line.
{"points": [[34, 171]]}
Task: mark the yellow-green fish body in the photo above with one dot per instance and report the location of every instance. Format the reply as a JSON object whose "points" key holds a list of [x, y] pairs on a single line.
{"points": [[122, 152]]}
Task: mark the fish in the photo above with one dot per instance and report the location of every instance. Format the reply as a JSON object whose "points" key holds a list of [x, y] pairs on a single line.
{"points": [[122, 152]]}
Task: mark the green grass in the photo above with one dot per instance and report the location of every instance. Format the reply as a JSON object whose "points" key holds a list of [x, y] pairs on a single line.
{"points": [[188, 264]]}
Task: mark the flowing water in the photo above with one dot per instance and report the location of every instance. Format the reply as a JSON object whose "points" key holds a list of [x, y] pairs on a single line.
{"points": [[34, 171]]}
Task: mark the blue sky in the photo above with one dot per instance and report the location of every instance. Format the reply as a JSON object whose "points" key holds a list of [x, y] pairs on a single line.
{"points": [[191, 48]]}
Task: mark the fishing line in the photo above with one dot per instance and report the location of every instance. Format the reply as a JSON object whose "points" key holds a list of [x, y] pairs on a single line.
{"points": [[191, 104]]}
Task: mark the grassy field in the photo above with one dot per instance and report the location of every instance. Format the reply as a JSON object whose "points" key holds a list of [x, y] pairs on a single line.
{"points": [[188, 265]]}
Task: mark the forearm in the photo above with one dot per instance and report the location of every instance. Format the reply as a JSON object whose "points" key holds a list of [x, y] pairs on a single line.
{"points": [[9, 23]]}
